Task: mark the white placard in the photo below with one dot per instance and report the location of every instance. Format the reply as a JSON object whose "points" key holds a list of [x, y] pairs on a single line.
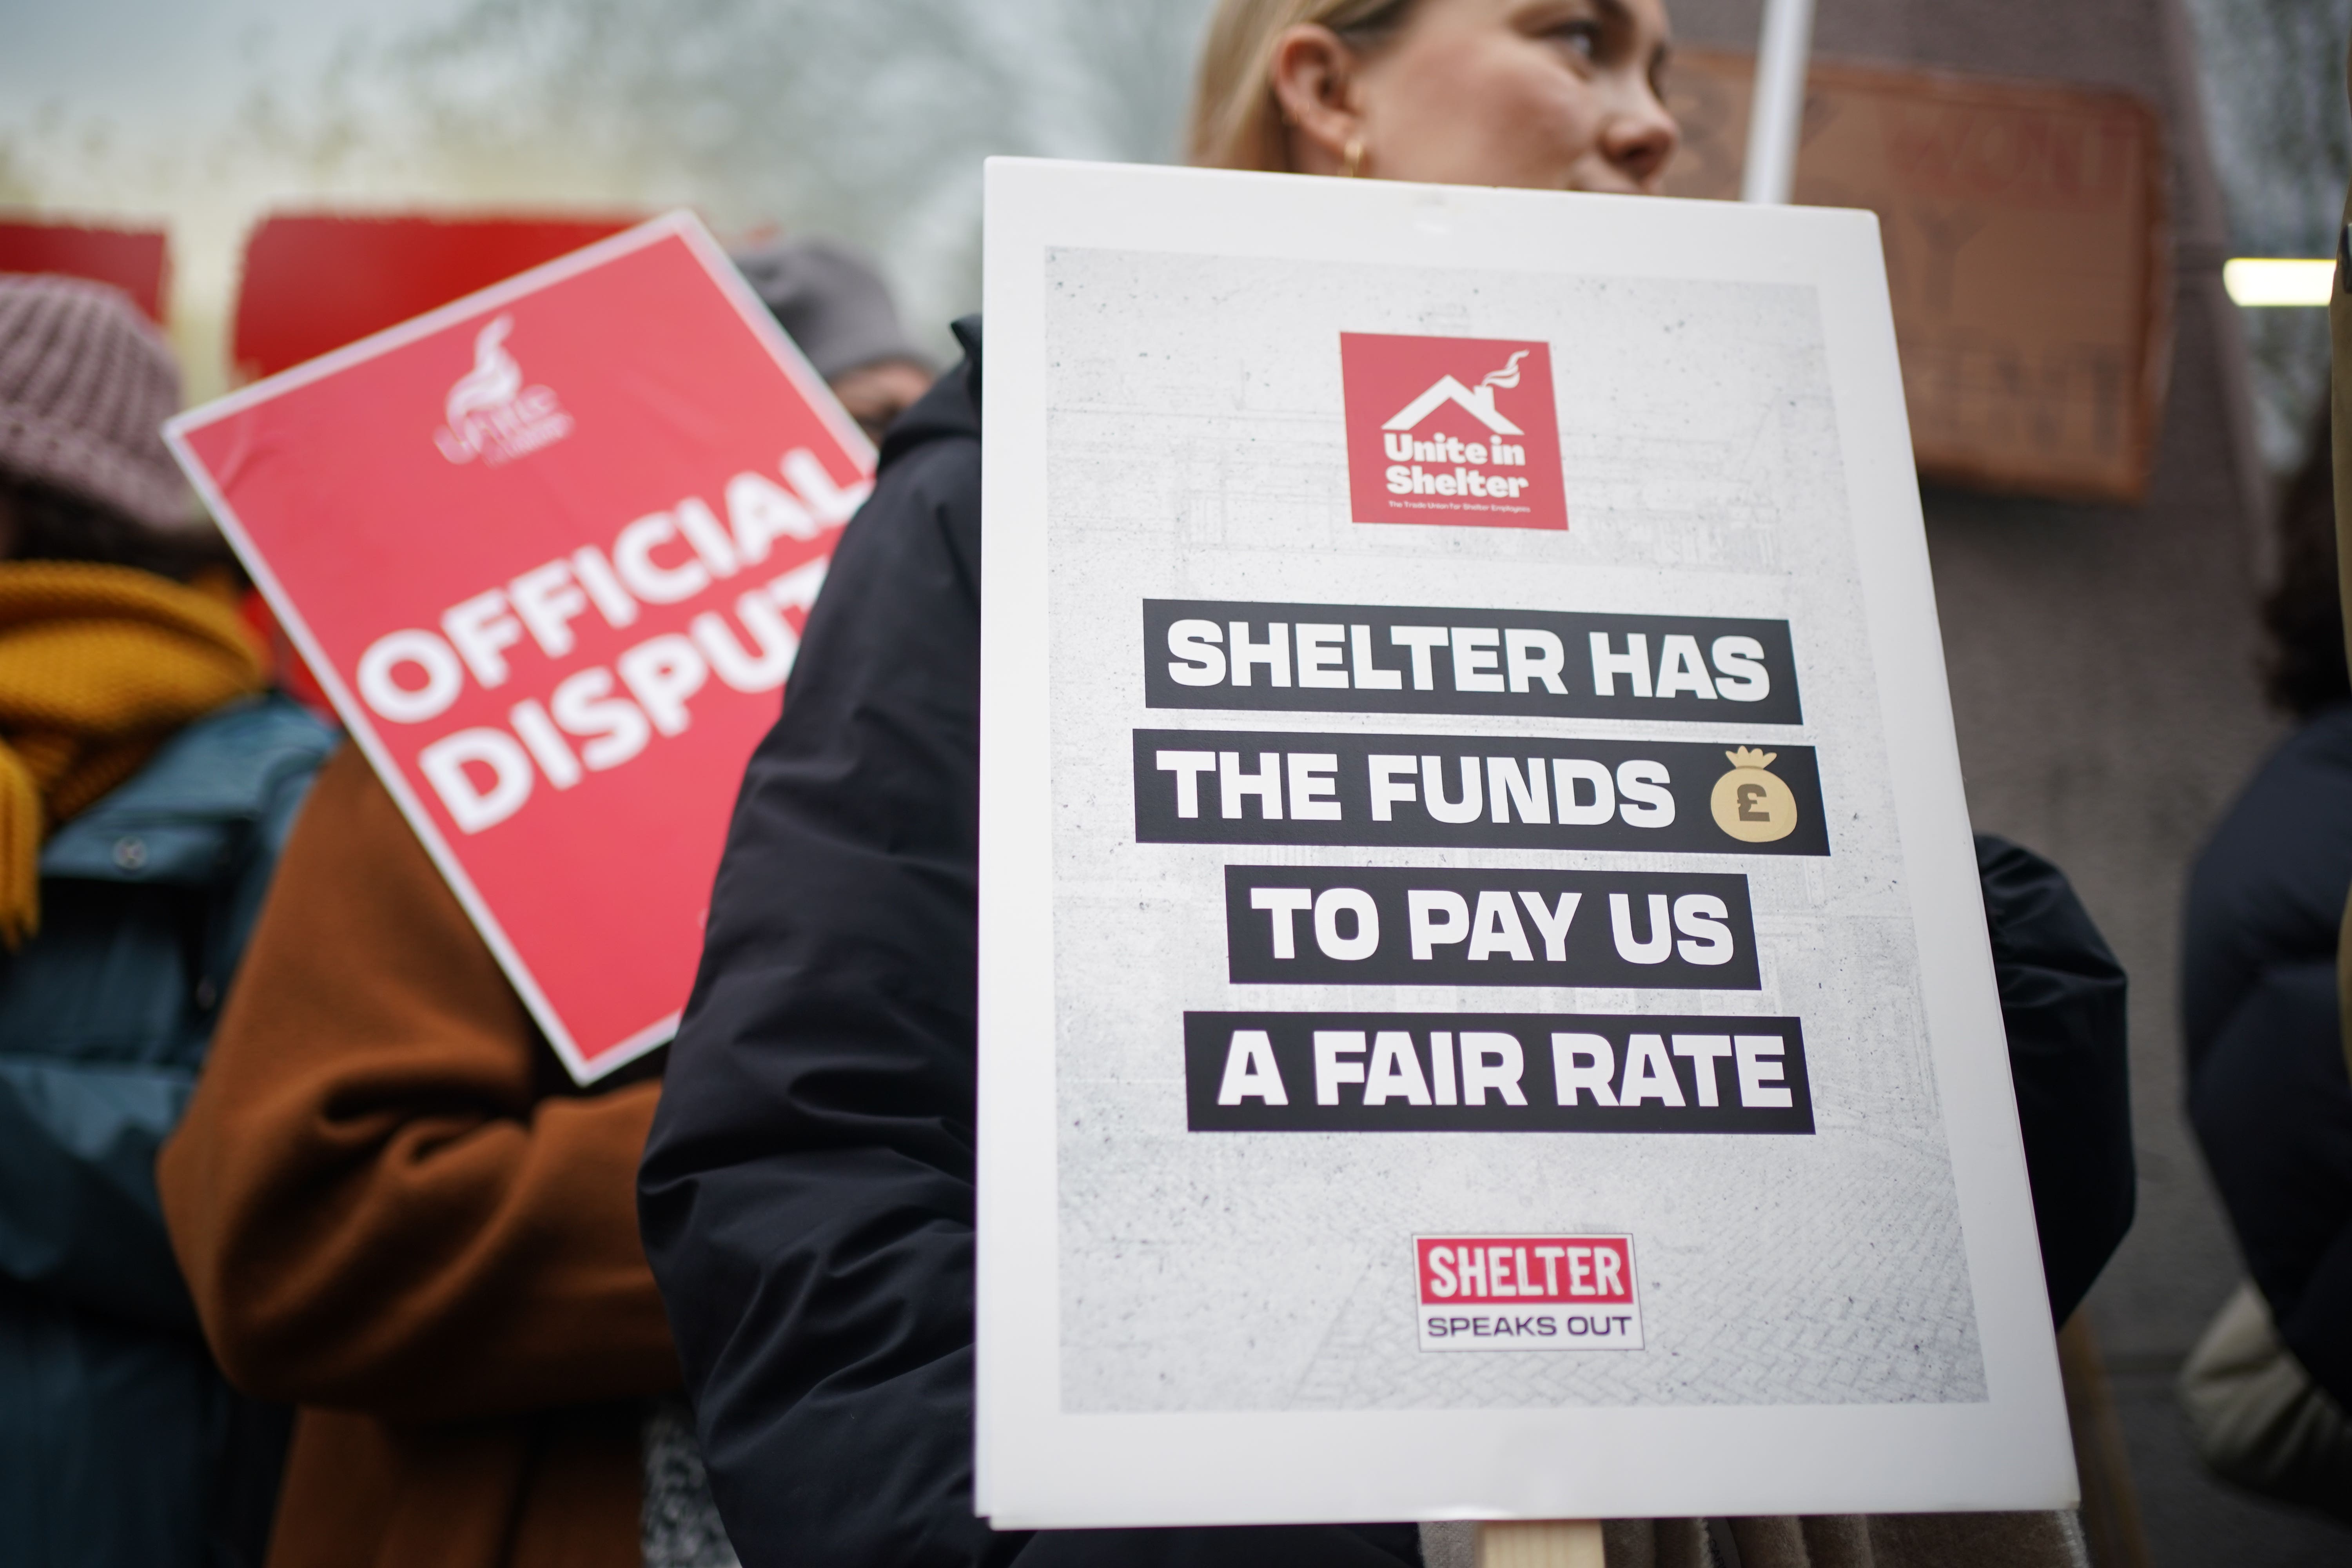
{"points": [[1478, 1017]]}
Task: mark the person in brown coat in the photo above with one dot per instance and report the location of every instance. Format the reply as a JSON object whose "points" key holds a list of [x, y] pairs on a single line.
{"points": [[394, 1213]]}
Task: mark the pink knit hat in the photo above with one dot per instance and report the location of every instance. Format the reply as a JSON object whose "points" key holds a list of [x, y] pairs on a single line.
{"points": [[85, 384]]}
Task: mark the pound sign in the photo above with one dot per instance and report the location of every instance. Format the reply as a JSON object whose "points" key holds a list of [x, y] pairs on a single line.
{"points": [[1749, 795]]}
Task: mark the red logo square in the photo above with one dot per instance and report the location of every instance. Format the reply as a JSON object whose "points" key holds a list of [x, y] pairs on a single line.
{"points": [[1456, 431], [1590, 1269]]}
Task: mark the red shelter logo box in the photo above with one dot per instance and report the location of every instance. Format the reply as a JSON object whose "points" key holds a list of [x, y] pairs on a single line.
{"points": [[1451, 431], [1526, 1294], [550, 549]]}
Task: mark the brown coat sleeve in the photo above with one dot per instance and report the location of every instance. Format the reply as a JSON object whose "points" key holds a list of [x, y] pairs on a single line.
{"points": [[375, 1209]]}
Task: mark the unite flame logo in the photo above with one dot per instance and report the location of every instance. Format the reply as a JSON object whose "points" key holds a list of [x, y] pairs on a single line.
{"points": [[1451, 431], [490, 414]]}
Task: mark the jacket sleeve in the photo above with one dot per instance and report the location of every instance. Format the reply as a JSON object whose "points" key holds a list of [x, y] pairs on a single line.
{"points": [[2319, 1330], [80, 1218], [2272, 1110], [2061, 1002], [375, 1207], [807, 1193]]}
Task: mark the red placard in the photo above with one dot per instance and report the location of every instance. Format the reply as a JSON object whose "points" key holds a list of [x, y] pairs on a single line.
{"points": [[550, 549]]}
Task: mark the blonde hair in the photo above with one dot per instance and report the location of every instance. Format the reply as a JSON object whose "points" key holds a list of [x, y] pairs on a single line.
{"points": [[1237, 120]]}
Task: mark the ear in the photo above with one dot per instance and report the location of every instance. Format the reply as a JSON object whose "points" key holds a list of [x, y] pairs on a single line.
{"points": [[1313, 74]]}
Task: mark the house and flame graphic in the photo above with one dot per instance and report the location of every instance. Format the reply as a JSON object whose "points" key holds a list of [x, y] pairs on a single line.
{"points": [[1480, 403], [1451, 432]]}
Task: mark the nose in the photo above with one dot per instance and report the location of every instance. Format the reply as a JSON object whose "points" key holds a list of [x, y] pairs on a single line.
{"points": [[1640, 137]]}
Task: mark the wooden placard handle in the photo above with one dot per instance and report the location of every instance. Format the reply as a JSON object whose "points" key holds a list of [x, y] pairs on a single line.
{"points": [[1540, 1544]]}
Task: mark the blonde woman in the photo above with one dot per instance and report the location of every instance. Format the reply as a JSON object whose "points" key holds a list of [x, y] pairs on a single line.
{"points": [[1559, 95], [806, 1195]]}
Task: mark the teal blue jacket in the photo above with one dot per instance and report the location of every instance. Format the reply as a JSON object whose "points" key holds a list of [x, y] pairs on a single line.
{"points": [[118, 1441]]}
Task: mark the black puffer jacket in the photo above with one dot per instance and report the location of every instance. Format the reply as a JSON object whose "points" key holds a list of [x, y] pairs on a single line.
{"points": [[2061, 1006], [807, 1191], [2268, 1092]]}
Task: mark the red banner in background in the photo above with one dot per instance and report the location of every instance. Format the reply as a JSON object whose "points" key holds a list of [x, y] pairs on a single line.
{"points": [[2029, 255], [315, 281], [551, 549], [136, 260]]}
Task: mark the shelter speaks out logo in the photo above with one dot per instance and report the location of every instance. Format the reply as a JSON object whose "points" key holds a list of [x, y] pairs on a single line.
{"points": [[492, 415], [1451, 431], [1528, 1294]]}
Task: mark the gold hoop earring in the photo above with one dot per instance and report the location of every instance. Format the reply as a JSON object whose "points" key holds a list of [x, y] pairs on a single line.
{"points": [[1352, 162]]}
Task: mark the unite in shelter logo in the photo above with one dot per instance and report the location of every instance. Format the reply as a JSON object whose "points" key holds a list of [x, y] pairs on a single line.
{"points": [[491, 413], [1451, 431]]}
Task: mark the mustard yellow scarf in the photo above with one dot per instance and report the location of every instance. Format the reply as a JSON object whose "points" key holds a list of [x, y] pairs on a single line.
{"points": [[98, 665]]}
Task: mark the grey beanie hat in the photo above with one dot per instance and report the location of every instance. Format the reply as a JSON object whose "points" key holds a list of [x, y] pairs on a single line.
{"points": [[831, 300], [85, 384]]}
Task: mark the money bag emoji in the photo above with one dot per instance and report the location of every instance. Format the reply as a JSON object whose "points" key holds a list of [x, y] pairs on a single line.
{"points": [[1751, 804]]}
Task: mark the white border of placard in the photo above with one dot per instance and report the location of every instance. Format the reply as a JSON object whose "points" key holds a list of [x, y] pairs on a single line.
{"points": [[1039, 1467]]}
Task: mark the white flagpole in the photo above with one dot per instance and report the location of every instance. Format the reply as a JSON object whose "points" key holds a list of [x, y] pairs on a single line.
{"points": [[1776, 116]]}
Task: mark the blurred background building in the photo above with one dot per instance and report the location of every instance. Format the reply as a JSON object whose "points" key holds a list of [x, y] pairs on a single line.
{"points": [[866, 121], [2100, 628], [2272, 76]]}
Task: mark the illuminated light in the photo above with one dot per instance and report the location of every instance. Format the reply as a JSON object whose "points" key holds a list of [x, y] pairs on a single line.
{"points": [[2266, 281]]}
